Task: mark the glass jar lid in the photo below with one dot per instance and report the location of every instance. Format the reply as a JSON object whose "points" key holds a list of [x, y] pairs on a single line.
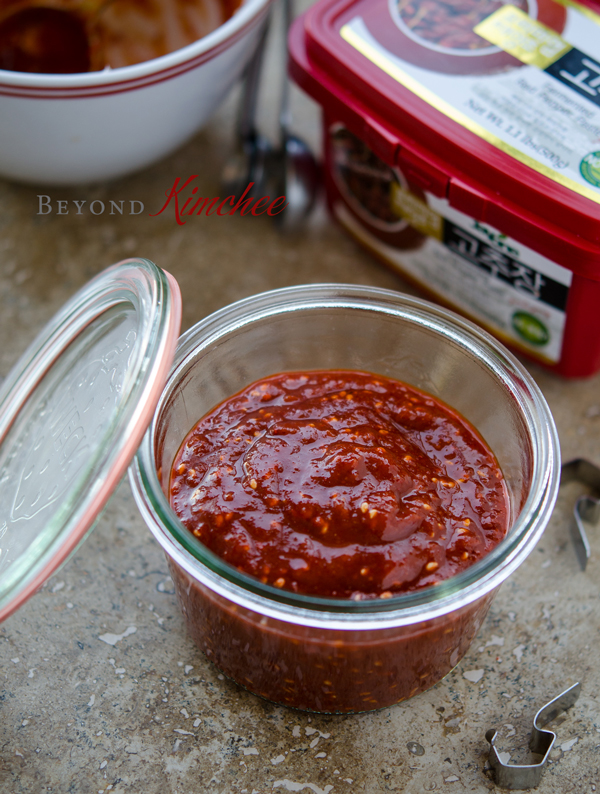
{"points": [[73, 411]]}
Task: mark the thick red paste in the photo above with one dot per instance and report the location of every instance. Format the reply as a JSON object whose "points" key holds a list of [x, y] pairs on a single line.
{"points": [[340, 484]]}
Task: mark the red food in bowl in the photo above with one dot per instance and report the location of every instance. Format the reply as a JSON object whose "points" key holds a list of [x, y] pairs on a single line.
{"points": [[43, 40], [70, 38], [133, 31]]}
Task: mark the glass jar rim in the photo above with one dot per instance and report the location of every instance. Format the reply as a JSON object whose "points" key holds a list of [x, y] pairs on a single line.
{"points": [[406, 608]]}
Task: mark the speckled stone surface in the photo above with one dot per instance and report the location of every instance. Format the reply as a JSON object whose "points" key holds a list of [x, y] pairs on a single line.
{"points": [[101, 688]]}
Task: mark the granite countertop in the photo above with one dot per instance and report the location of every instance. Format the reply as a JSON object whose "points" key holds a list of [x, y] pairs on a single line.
{"points": [[102, 688]]}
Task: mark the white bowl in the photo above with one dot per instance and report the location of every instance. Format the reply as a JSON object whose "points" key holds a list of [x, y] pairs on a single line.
{"points": [[76, 128]]}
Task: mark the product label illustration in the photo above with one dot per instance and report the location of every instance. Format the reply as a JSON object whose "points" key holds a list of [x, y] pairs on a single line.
{"points": [[524, 78]]}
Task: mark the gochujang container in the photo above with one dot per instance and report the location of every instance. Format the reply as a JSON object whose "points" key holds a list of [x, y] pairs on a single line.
{"points": [[462, 148]]}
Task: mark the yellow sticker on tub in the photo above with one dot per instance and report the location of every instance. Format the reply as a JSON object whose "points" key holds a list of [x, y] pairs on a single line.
{"points": [[515, 32], [421, 217]]}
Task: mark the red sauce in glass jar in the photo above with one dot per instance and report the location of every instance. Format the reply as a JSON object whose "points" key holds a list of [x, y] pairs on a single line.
{"points": [[340, 484]]}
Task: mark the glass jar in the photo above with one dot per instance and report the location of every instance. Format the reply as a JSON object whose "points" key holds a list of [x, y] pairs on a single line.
{"points": [[337, 655]]}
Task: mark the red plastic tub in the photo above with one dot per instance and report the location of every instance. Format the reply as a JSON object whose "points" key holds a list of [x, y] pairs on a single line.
{"points": [[462, 148]]}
